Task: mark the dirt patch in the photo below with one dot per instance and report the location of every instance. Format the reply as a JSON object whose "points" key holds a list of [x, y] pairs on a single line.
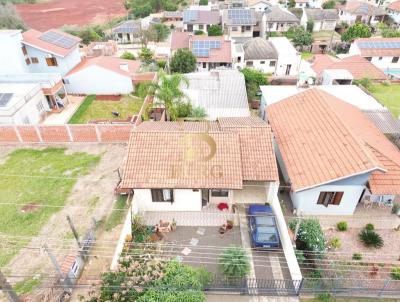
{"points": [[30, 207], [54, 14]]}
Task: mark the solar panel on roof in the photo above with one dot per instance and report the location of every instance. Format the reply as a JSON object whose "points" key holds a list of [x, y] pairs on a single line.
{"points": [[240, 16], [58, 39], [5, 98], [190, 15], [379, 44], [202, 48]]}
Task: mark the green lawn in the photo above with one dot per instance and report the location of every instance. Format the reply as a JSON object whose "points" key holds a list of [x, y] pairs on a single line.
{"points": [[388, 95], [306, 55], [23, 182], [92, 109]]}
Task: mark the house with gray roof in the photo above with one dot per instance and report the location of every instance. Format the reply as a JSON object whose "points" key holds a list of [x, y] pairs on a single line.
{"points": [[222, 93], [357, 11], [196, 20], [257, 53], [324, 19], [126, 32], [241, 22], [278, 19]]}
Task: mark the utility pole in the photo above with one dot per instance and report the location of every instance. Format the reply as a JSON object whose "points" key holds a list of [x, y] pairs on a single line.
{"points": [[7, 289], [64, 279], [74, 231]]}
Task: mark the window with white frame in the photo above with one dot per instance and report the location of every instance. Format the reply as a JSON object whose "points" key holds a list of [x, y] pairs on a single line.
{"points": [[162, 195]]}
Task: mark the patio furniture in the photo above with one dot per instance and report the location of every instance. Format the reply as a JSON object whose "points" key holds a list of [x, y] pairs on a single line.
{"points": [[163, 227], [367, 203], [388, 203]]}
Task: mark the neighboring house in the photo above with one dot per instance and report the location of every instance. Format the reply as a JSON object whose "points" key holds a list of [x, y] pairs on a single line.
{"points": [[22, 104], [384, 53], [240, 22], [210, 52], [194, 166], [259, 5], [288, 57], [335, 165], [278, 20], [357, 11], [324, 19], [256, 53], [200, 20], [393, 10], [357, 66], [50, 52], [99, 48], [172, 16], [300, 3], [102, 75], [222, 93], [127, 31], [12, 58]]}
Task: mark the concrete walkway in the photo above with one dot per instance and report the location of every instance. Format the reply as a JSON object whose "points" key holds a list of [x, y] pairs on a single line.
{"points": [[64, 116]]}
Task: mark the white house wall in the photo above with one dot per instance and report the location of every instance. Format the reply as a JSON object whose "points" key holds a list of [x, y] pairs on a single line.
{"points": [[184, 200], [380, 62], [11, 57], [262, 65], [65, 64], [287, 59], [97, 80]]}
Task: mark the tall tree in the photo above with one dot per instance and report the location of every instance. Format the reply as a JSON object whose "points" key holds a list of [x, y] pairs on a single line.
{"points": [[146, 55], [302, 38], [355, 31], [161, 32], [215, 30], [183, 61]]}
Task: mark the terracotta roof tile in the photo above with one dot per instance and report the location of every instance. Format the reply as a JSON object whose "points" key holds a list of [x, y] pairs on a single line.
{"points": [[156, 149], [358, 66], [32, 38], [394, 6], [179, 40]]}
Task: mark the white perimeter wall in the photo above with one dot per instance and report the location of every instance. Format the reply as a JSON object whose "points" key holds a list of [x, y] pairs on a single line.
{"points": [[184, 200], [97, 80]]}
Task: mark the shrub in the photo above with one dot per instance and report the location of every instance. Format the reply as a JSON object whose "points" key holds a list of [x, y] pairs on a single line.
{"points": [[199, 32], [128, 56], [300, 256], [357, 256], [342, 226], [369, 227], [365, 82], [161, 64], [335, 243], [324, 297], [234, 263], [315, 274], [310, 236], [395, 273], [183, 61], [139, 229], [370, 238]]}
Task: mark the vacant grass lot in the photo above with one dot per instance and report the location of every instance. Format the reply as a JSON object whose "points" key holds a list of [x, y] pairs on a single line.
{"points": [[92, 109], [388, 95], [31, 178]]}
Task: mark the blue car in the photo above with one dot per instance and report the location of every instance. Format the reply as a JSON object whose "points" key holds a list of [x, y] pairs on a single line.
{"points": [[263, 230]]}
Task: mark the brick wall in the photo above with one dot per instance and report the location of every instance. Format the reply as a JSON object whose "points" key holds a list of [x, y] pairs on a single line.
{"points": [[65, 133]]}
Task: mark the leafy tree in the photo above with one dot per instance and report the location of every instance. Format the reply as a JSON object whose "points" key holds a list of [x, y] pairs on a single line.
{"points": [[310, 26], [302, 38], [183, 61], [310, 236], [168, 92], [215, 30], [88, 35], [9, 18], [161, 32], [199, 32], [203, 2], [253, 79], [355, 31], [329, 4], [198, 112], [140, 9], [128, 56], [146, 55], [292, 3], [234, 263]]}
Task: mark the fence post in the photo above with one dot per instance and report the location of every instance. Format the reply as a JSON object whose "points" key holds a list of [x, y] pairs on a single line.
{"points": [[298, 290], [384, 287]]}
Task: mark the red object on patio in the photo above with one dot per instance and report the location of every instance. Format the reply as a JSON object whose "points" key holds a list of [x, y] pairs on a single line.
{"points": [[222, 206]]}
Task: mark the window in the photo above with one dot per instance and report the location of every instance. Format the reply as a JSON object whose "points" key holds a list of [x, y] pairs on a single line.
{"points": [[380, 58], [327, 198], [39, 107], [162, 195], [395, 59], [369, 59], [272, 64], [34, 60], [234, 28], [25, 120], [247, 28], [51, 61], [262, 62], [219, 193], [249, 63], [24, 51], [204, 65], [201, 26], [28, 61], [65, 81]]}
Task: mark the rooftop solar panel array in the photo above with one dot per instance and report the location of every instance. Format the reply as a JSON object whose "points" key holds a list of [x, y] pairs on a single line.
{"points": [[128, 27], [241, 16], [379, 44], [58, 39], [202, 48], [190, 15], [5, 98]]}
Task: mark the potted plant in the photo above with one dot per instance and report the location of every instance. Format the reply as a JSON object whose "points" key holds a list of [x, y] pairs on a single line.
{"points": [[229, 224], [396, 209], [173, 224]]}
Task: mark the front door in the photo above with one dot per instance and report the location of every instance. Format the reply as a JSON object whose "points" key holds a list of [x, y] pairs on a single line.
{"points": [[288, 67]]}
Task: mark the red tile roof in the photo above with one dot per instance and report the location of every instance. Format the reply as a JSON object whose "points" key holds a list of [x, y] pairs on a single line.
{"points": [[156, 152], [378, 52], [185, 39], [32, 38], [109, 63], [337, 141], [395, 6], [358, 66]]}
